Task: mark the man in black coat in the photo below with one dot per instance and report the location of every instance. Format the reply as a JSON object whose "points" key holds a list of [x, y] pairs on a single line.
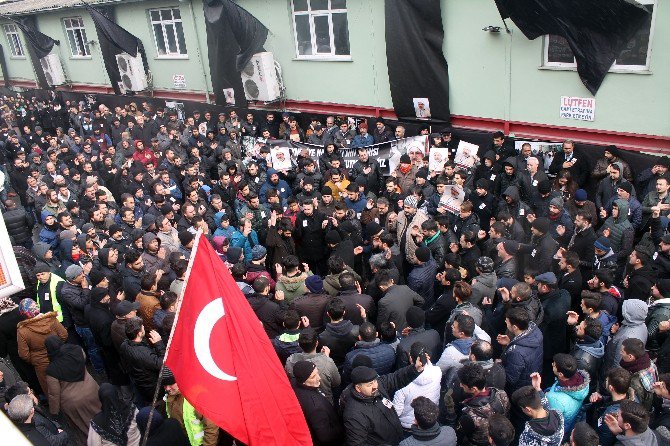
{"points": [[141, 359], [571, 279], [415, 332], [568, 160], [556, 303], [540, 252], [350, 293], [369, 416], [309, 235], [340, 334], [582, 241], [322, 420], [21, 412], [267, 311], [19, 226]]}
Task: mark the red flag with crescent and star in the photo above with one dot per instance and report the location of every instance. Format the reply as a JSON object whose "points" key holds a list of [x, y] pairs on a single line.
{"points": [[224, 363]]}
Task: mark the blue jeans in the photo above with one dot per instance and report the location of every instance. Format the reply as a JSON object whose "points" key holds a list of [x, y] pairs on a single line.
{"points": [[92, 348]]}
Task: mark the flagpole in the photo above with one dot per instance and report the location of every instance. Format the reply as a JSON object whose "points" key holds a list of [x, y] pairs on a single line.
{"points": [[187, 275]]}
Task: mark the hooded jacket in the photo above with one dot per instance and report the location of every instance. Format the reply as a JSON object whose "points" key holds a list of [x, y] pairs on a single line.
{"points": [[339, 337], [589, 358], [485, 287], [621, 230], [659, 311], [646, 438], [426, 384], [634, 313], [544, 432], [517, 208], [293, 287], [568, 400], [522, 357], [640, 282]]}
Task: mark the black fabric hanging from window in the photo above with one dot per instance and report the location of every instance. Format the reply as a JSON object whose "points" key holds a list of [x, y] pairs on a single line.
{"points": [[39, 45], [233, 37], [416, 64], [3, 66], [596, 30], [114, 40]]}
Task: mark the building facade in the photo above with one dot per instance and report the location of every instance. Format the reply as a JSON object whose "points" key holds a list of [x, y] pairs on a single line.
{"points": [[333, 60]]}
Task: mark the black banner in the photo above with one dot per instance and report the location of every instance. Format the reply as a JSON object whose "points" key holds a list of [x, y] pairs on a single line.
{"points": [[39, 46], [418, 71], [233, 36], [597, 31], [114, 40]]}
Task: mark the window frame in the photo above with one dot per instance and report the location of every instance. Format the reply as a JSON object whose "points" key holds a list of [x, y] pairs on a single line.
{"points": [[172, 21], [71, 27], [615, 68], [12, 32], [310, 16]]}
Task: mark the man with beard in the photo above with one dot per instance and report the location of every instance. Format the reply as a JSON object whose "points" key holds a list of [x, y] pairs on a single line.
{"points": [[153, 255], [133, 274], [309, 234]]}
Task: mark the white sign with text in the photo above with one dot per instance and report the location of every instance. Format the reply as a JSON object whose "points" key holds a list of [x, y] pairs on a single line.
{"points": [[581, 109]]}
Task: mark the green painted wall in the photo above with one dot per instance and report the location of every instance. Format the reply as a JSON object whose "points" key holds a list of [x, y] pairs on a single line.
{"points": [[499, 76], [135, 18], [17, 67], [86, 70], [361, 81]]}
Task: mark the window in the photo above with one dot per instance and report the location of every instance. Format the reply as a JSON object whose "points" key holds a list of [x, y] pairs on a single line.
{"points": [[321, 29], [76, 36], [635, 57], [12, 33], [168, 32]]}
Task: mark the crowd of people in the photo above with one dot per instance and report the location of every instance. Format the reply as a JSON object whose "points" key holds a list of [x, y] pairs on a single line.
{"points": [[536, 314]]}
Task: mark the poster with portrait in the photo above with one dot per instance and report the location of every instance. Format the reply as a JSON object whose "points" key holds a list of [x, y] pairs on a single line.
{"points": [[437, 159], [466, 155], [421, 108], [281, 158], [229, 95], [416, 146], [452, 198]]}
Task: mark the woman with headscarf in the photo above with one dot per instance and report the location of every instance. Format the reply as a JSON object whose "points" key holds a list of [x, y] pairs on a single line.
{"points": [[31, 334], [115, 425], [162, 432], [72, 390], [9, 319]]}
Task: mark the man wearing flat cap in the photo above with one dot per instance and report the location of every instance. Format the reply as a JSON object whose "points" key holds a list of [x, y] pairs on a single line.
{"points": [[322, 420], [369, 416]]}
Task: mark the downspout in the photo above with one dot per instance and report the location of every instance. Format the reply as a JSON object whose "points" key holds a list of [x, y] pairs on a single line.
{"points": [[205, 69]]}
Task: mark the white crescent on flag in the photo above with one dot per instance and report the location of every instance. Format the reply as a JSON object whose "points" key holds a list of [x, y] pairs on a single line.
{"points": [[202, 333]]}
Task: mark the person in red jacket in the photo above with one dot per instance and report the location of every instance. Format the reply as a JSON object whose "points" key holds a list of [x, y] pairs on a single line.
{"points": [[143, 154]]}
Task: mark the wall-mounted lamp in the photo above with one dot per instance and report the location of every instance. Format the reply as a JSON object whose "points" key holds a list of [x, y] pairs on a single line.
{"points": [[491, 29]]}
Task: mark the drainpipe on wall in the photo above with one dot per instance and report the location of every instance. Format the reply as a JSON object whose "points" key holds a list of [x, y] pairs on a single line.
{"points": [[205, 68]]}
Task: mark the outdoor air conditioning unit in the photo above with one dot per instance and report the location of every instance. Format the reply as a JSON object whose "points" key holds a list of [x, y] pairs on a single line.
{"points": [[132, 72], [259, 78], [53, 70]]}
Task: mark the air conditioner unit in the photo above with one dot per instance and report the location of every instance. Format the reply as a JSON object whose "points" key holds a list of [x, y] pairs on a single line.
{"points": [[53, 70], [259, 78], [132, 72]]}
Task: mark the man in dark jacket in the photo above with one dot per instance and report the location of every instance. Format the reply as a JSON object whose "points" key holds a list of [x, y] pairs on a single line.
{"points": [[322, 420], [642, 276], [266, 310], [582, 241], [350, 293], [588, 349], [523, 354], [313, 304], [369, 169], [431, 237], [142, 360], [381, 354], [422, 277], [568, 159], [570, 279], [19, 226], [396, 301], [415, 332], [556, 303], [309, 226], [340, 334], [540, 252], [21, 412], [369, 416]]}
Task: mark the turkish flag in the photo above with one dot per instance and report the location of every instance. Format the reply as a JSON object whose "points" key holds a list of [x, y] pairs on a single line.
{"points": [[224, 362]]}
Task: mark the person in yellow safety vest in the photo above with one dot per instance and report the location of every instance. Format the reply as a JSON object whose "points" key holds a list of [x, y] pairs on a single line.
{"points": [[48, 290], [199, 430]]}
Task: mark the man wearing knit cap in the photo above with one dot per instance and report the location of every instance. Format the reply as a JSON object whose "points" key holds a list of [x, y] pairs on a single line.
{"points": [[313, 304], [322, 420], [421, 278], [562, 226], [408, 224], [626, 192], [369, 416], [405, 174], [541, 249]]}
